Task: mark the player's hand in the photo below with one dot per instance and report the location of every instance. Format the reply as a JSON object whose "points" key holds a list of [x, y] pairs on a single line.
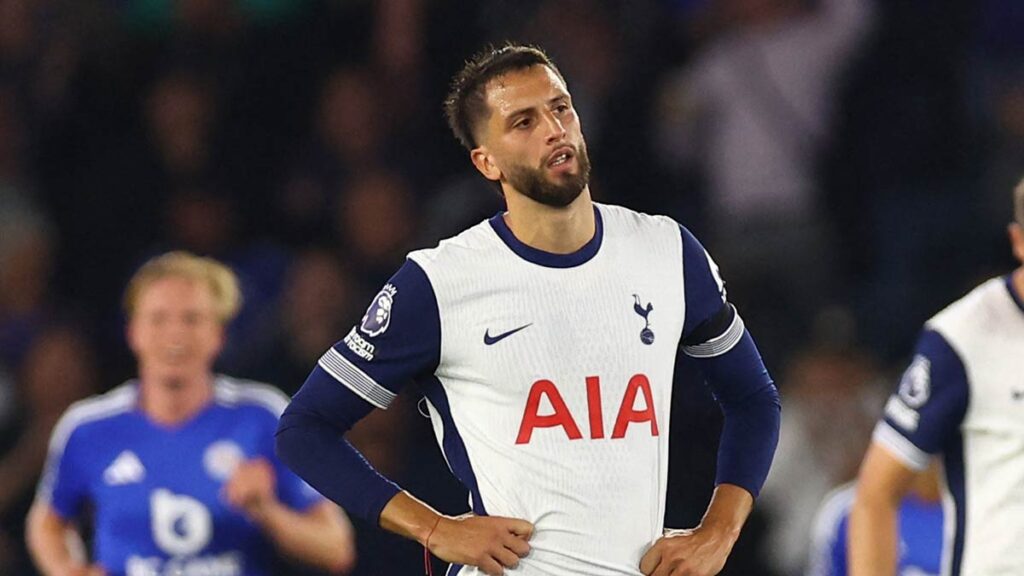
{"points": [[692, 552], [252, 487], [488, 542]]}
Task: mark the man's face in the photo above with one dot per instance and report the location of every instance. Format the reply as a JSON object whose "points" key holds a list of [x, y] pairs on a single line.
{"points": [[174, 330], [532, 140]]}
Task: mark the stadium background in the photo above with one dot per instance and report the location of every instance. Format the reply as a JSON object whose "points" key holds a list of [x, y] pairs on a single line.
{"points": [[848, 162]]}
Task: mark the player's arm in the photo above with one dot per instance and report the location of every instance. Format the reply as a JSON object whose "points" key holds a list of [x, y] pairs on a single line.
{"points": [[874, 535], [491, 543], [363, 372], [52, 537], [319, 534], [715, 336], [55, 544], [920, 420]]}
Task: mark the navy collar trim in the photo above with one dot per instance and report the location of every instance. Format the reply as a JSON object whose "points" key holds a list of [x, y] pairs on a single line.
{"points": [[548, 259], [1017, 298]]}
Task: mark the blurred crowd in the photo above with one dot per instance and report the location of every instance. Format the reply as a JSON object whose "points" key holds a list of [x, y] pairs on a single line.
{"points": [[847, 162]]}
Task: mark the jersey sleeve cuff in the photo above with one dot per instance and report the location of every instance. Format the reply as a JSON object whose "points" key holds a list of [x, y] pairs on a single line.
{"points": [[349, 375], [899, 446], [720, 344]]}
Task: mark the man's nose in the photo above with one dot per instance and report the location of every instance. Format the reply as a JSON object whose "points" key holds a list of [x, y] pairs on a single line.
{"points": [[554, 127]]}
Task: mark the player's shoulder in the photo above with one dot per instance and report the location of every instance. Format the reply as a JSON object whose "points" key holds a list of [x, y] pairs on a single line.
{"points": [[828, 531], [90, 415], [242, 394], [471, 242], [981, 311], [835, 507], [622, 220]]}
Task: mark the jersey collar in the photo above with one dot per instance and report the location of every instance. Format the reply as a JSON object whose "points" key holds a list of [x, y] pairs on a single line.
{"points": [[542, 258], [1017, 298]]}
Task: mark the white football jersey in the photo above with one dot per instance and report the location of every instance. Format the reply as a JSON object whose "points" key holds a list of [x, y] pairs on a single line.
{"points": [[548, 377], [963, 397]]}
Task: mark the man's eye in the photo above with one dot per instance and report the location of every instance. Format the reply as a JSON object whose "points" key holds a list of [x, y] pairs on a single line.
{"points": [[524, 123]]}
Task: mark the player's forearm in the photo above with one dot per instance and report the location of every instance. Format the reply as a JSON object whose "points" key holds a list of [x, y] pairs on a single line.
{"points": [[752, 410], [873, 536], [47, 538], [728, 511], [319, 537], [406, 516], [311, 441]]}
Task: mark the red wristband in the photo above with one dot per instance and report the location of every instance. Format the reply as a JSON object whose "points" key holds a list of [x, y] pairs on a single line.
{"points": [[428, 569]]}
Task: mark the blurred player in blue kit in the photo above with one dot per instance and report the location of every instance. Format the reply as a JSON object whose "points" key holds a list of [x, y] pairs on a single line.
{"points": [[177, 467], [544, 340], [962, 398], [920, 529]]}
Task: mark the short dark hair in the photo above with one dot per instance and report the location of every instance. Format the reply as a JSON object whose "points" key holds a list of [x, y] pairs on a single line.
{"points": [[466, 103], [1018, 202]]}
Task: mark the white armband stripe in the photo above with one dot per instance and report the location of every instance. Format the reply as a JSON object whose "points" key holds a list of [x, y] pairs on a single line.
{"points": [[899, 446], [719, 344], [355, 379]]}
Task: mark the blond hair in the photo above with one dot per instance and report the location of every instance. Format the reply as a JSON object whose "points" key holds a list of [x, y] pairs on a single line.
{"points": [[1018, 203], [221, 281]]}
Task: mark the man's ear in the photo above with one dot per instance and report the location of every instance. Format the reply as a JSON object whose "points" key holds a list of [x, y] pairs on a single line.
{"points": [[129, 336], [484, 163], [1016, 232]]}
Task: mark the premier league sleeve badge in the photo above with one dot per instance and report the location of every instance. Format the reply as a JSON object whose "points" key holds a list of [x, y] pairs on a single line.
{"points": [[378, 316]]}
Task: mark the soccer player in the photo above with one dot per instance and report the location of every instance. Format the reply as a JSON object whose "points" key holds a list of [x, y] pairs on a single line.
{"points": [[544, 340], [920, 533], [962, 397], [177, 468]]}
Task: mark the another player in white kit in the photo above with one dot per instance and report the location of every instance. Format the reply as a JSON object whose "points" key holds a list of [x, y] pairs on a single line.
{"points": [[963, 398], [544, 341]]}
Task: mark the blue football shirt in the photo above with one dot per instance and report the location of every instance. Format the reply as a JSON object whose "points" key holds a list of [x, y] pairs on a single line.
{"points": [[155, 491]]}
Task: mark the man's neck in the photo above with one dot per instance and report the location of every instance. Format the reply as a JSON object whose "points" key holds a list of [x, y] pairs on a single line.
{"points": [[554, 230], [174, 400]]}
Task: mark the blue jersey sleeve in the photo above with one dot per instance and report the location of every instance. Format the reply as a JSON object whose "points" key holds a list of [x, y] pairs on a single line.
{"points": [[926, 410], [64, 483], [712, 326], [829, 534], [397, 341], [752, 410], [291, 490], [840, 563], [714, 334]]}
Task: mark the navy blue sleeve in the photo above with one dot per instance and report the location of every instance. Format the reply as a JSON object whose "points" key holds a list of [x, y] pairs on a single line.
{"points": [[750, 404], [704, 292], [926, 410], [398, 340], [714, 334]]}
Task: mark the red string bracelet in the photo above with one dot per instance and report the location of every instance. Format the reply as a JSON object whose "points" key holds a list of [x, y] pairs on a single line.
{"points": [[428, 569]]}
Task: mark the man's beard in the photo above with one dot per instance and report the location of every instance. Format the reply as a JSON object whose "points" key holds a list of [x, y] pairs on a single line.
{"points": [[533, 183]]}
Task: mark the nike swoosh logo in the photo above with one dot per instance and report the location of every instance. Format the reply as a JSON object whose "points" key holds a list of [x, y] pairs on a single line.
{"points": [[490, 340]]}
